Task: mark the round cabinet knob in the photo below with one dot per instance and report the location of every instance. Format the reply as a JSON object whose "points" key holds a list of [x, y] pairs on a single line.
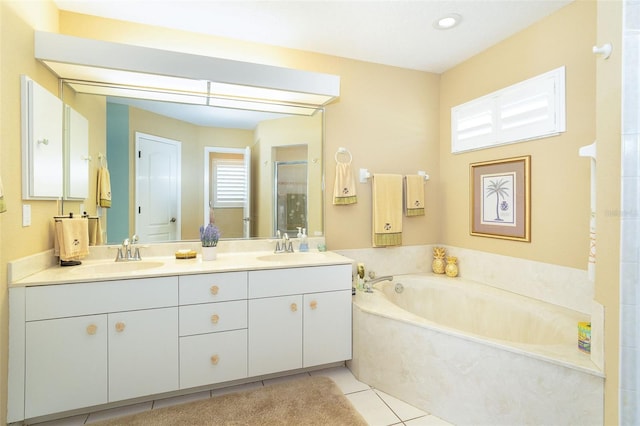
{"points": [[215, 318], [120, 326], [294, 307], [313, 304], [214, 289], [215, 359], [92, 329]]}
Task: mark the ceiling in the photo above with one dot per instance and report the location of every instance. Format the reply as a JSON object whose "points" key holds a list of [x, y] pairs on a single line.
{"points": [[391, 32]]}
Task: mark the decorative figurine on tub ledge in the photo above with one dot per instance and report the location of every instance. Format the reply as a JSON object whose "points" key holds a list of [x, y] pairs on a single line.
{"points": [[438, 263], [452, 268]]}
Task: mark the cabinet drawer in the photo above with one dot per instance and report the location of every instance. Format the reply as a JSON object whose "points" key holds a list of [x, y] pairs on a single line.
{"points": [[206, 288], [280, 282], [69, 300], [213, 358], [213, 317]]}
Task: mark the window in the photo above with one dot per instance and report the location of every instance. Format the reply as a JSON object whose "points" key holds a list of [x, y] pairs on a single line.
{"points": [[229, 183], [532, 109]]}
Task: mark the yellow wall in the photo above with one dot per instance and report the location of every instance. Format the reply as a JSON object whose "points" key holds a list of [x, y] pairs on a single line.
{"points": [[608, 135], [559, 177], [17, 20], [392, 120]]}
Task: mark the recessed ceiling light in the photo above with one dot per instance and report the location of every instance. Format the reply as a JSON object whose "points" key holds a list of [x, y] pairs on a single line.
{"points": [[447, 22]]}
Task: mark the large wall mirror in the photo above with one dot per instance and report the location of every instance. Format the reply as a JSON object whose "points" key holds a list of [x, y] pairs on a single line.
{"points": [[174, 166], [191, 138]]}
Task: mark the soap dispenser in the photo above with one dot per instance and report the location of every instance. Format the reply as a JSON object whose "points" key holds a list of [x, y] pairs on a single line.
{"points": [[304, 243]]}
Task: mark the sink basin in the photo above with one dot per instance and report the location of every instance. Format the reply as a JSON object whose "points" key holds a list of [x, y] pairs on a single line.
{"points": [[116, 267], [293, 257]]}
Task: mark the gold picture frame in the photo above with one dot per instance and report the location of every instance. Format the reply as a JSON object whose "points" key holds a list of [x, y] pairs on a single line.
{"points": [[500, 192]]}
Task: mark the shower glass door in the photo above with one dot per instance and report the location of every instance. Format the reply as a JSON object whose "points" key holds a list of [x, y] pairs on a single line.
{"points": [[290, 196]]}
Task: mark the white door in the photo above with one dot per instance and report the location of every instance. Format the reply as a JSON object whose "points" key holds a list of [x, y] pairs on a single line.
{"points": [[158, 197]]}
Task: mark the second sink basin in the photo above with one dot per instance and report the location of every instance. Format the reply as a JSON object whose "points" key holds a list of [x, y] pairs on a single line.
{"points": [[117, 267], [293, 257]]}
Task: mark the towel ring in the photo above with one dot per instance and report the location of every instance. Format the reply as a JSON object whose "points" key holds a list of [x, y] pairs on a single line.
{"points": [[345, 151]]}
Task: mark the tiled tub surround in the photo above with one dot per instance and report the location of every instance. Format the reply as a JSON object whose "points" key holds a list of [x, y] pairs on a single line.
{"points": [[473, 354]]}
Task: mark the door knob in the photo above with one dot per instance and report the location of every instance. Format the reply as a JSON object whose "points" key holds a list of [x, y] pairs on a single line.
{"points": [[173, 220]]}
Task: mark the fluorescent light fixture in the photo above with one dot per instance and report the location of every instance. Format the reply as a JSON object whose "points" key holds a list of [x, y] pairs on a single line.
{"points": [[114, 69], [447, 22]]}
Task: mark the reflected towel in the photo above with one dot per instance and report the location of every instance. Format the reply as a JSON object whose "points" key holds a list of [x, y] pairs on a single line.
{"points": [[103, 193], [3, 204], [344, 188], [72, 238], [414, 195], [387, 210], [95, 232]]}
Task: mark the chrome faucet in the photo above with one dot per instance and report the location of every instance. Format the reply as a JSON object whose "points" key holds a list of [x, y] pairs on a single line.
{"points": [[370, 282], [124, 252], [283, 244]]}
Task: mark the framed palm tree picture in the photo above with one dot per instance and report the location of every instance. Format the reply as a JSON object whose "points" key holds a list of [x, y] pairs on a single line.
{"points": [[501, 198]]}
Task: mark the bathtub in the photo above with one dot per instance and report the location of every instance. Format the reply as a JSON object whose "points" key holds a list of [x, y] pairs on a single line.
{"points": [[472, 354]]}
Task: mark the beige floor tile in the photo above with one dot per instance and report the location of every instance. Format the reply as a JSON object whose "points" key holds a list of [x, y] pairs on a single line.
{"points": [[401, 408], [427, 421], [372, 408]]}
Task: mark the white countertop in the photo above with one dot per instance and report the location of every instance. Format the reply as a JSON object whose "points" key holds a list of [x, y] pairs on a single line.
{"points": [[157, 266]]}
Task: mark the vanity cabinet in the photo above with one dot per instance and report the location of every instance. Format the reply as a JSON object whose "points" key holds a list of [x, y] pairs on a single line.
{"points": [[93, 343], [299, 317], [213, 328], [73, 346]]}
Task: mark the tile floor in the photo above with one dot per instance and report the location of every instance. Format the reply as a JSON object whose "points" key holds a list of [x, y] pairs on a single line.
{"points": [[377, 408]]}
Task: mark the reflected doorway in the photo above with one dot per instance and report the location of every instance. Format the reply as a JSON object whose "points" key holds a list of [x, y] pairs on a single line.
{"points": [[227, 190]]}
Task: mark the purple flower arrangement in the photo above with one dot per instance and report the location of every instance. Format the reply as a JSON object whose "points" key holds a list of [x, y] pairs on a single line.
{"points": [[209, 235]]}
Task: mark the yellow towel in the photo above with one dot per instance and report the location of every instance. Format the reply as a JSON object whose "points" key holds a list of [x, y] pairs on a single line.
{"points": [[3, 204], [414, 195], [95, 232], [344, 188], [103, 193], [387, 210], [72, 238]]}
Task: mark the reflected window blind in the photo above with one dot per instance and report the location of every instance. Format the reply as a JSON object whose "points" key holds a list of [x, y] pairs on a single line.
{"points": [[229, 183]]}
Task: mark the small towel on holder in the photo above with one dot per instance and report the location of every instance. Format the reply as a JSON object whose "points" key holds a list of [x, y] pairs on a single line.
{"points": [[344, 188], [103, 193], [414, 195], [387, 210], [3, 204], [95, 232], [72, 238]]}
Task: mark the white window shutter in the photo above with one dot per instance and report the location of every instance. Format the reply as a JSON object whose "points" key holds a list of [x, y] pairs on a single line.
{"points": [[532, 109], [230, 183]]}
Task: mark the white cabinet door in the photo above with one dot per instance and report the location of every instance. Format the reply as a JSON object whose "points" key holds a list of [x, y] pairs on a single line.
{"points": [[327, 327], [42, 162], [275, 334], [213, 358], [143, 353], [66, 364]]}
